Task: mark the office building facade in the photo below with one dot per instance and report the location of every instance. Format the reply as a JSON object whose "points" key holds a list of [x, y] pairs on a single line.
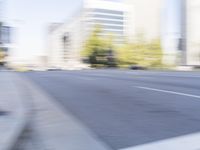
{"points": [[126, 20], [66, 40], [5, 43], [151, 19], [192, 32], [144, 18]]}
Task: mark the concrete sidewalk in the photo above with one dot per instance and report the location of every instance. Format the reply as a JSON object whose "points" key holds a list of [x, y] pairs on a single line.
{"points": [[30, 119], [53, 128], [14, 110]]}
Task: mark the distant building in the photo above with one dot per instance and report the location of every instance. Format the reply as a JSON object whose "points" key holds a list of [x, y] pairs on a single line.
{"points": [[173, 37], [164, 20], [66, 40], [193, 32], [145, 18], [4, 43], [175, 23], [186, 42], [152, 20], [111, 16]]}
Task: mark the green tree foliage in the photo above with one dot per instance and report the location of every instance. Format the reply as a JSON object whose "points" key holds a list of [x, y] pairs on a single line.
{"points": [[147, 54], [2, 56], [98, 50]]}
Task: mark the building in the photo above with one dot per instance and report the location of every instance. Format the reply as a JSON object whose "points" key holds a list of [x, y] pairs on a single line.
{"points": [[164, 20], [145, 18], [192, 54], [4, 43], [65, 44], [66, 40], [111, 16], [173, 29], [175, 23], [186, 38], [153, 19]]}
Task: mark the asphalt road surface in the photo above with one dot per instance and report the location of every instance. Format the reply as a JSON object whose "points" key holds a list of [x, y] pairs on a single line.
{"points": [[128, 108]]}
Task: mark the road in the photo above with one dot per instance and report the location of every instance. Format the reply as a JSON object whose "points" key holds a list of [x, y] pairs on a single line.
{"points": [[128, 108]]}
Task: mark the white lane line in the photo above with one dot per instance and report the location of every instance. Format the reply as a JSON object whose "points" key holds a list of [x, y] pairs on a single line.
{"points": [[177, 76], [162, 75], [166, 91]]}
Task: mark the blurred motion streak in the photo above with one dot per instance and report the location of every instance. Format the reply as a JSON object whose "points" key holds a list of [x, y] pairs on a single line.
{"points": [[123, 108]]}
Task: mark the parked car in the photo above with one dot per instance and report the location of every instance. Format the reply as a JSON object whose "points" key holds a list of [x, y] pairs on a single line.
{"points": [[137, 67], [54, 69]]}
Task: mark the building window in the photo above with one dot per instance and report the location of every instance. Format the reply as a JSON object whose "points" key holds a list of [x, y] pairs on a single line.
{"points": [[108, 11], [109, 22], [66, 43], [108, 17]]}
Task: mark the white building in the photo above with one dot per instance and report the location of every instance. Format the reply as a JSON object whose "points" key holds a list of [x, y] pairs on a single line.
{"points": [[152, 19], [145, 18], [160, 19], [173, 32], [193, 32], [5, 42], [66, 40]]}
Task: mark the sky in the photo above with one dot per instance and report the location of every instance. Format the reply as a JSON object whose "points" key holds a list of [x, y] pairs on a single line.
{"points": [[30, 19]]}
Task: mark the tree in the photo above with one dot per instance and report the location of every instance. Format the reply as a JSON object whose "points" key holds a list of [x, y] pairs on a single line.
{"points": [[98, 50], [154, 53], [140, 52], [2, 56]]}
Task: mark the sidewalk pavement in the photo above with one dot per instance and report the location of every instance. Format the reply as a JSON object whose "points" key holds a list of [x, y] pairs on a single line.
{"points": [[37, 121], [14, 116]]}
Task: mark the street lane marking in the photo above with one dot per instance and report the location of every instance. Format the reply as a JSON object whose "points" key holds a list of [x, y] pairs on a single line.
{"points": [[153, 74], [166, 91], [176, 76]]}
